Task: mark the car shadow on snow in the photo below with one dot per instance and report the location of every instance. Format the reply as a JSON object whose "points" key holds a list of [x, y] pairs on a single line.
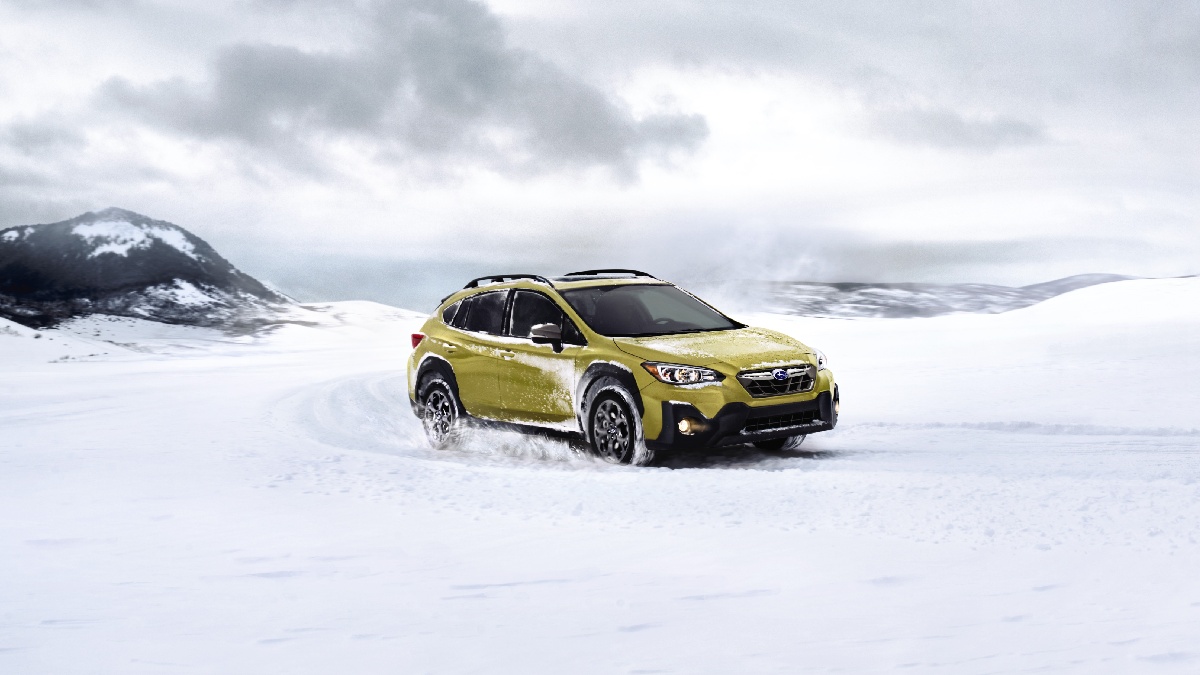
{"points": [[522, 442], [743, 457], [544, 445]]}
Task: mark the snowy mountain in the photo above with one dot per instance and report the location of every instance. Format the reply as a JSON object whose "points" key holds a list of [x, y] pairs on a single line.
{"points": [[122, 263], [856, 300]]}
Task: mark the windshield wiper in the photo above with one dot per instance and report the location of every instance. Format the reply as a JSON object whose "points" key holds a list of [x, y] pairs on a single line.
{"points": [[703, 330], [676, 332]]}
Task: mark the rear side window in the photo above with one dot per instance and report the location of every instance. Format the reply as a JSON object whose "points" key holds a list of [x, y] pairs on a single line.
{"points": [[486, 314], [449, 312]]}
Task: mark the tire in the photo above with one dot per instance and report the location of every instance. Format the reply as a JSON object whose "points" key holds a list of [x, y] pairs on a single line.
{"points": [[441, 412], [781, 444], [614, 429]]}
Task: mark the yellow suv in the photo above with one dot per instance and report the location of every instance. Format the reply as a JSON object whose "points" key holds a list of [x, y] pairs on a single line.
{"points": [[632, 364]]}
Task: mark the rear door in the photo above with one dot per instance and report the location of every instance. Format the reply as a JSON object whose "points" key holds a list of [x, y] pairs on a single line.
{"points": [[537, 383], [477, 358]]}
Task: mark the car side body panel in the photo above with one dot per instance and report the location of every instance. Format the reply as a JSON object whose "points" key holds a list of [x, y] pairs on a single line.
{"points": [[538, 383], [476, 363]]}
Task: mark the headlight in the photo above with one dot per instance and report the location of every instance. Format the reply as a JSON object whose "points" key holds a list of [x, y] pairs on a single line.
{"points": [[822, 362], [676, 374]]}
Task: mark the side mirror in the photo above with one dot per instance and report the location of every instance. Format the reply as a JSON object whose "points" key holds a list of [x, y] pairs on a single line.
{"points": [[547, 334]]}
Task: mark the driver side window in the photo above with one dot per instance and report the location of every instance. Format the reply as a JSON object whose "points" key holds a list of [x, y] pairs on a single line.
{"points": [[530, 309]]}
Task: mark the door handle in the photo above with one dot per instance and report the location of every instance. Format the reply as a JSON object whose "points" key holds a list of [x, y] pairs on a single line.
{"points": [[450, 349], [507, 355]]}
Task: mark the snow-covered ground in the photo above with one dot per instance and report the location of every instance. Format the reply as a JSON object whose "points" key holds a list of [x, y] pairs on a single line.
{"points": [[1004, 493]]}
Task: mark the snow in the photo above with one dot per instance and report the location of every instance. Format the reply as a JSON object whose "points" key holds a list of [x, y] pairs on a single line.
{"points": [[175, 239], [16, 330], [119, 237], [1116, 355], [14, 234], [181, 292], [1004, 493], [23, 348]]}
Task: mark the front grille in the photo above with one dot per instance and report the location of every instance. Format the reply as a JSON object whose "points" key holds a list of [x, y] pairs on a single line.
{"points": [[763, 383], [781, 421]]}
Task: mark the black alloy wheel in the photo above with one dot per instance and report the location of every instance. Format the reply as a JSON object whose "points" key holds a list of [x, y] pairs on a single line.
{"points": [[612, 431], [440, 417]]}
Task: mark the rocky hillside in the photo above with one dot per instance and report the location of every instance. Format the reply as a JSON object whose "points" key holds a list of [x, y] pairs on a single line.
{"points": [[855, 300], [122, 263]]}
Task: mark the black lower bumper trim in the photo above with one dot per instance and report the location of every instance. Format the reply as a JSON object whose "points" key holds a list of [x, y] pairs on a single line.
{"points": [[738, 423]]}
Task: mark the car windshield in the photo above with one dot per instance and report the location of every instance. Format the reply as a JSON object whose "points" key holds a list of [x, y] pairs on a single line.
{"points": [[638, 310]]}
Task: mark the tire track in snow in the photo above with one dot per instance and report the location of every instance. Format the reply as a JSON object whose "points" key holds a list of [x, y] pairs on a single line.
{"points": [[371, 413]]}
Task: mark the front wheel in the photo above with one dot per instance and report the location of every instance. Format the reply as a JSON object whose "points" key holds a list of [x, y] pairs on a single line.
{"points": [[781, 444], [616, 433]]}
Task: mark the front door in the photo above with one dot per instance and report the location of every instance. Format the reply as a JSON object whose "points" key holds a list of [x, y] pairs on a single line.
{"points": [[537, 384]]}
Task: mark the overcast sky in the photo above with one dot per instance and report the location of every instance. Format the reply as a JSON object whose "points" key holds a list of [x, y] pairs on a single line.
{"points": [[1007, 142]]}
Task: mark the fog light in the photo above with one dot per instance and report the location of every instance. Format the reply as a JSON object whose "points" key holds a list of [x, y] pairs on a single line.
{"points": [[688, 426]]}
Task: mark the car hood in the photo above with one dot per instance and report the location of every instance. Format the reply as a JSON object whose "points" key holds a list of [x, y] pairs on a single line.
{"points": [[741, 349]]}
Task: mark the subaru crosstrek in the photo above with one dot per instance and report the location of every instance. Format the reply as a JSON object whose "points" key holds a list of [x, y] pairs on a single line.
{"points": [[634, 365]]}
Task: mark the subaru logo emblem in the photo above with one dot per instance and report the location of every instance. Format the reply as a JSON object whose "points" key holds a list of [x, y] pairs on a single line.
{"points": [[779, 374]]}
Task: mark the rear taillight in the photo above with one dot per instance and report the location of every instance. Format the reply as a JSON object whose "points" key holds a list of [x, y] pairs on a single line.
{"points": [[417, 337]]}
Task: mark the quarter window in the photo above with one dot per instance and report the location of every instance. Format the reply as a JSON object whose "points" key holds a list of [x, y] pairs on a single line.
{"points": [[464, 310], [571, 334], [449, 312]]}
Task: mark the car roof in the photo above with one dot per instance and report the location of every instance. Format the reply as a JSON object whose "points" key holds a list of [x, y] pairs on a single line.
{"points": [[567, 283], [555, 283]]}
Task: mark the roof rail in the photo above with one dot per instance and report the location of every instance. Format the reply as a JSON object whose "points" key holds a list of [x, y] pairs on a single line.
{"points": [[588, 273], [501, 278]]}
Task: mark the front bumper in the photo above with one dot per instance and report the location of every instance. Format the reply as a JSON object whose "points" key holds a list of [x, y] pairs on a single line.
{"points": [[738, 423]]}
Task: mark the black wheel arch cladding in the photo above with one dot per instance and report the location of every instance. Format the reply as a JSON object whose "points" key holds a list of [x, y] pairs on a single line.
{"points": [[432, 366], [621, 375], [595, 378]]}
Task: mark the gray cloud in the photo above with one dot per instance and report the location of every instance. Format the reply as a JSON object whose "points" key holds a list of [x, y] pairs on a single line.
{"points": [[949, 129], [57, 5], [40, 136], [434, 78], [21, 206], [20, 179]]}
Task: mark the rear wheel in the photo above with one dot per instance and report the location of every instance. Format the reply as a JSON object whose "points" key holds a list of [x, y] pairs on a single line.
{"points": [[780, 444], [440, 412]]}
